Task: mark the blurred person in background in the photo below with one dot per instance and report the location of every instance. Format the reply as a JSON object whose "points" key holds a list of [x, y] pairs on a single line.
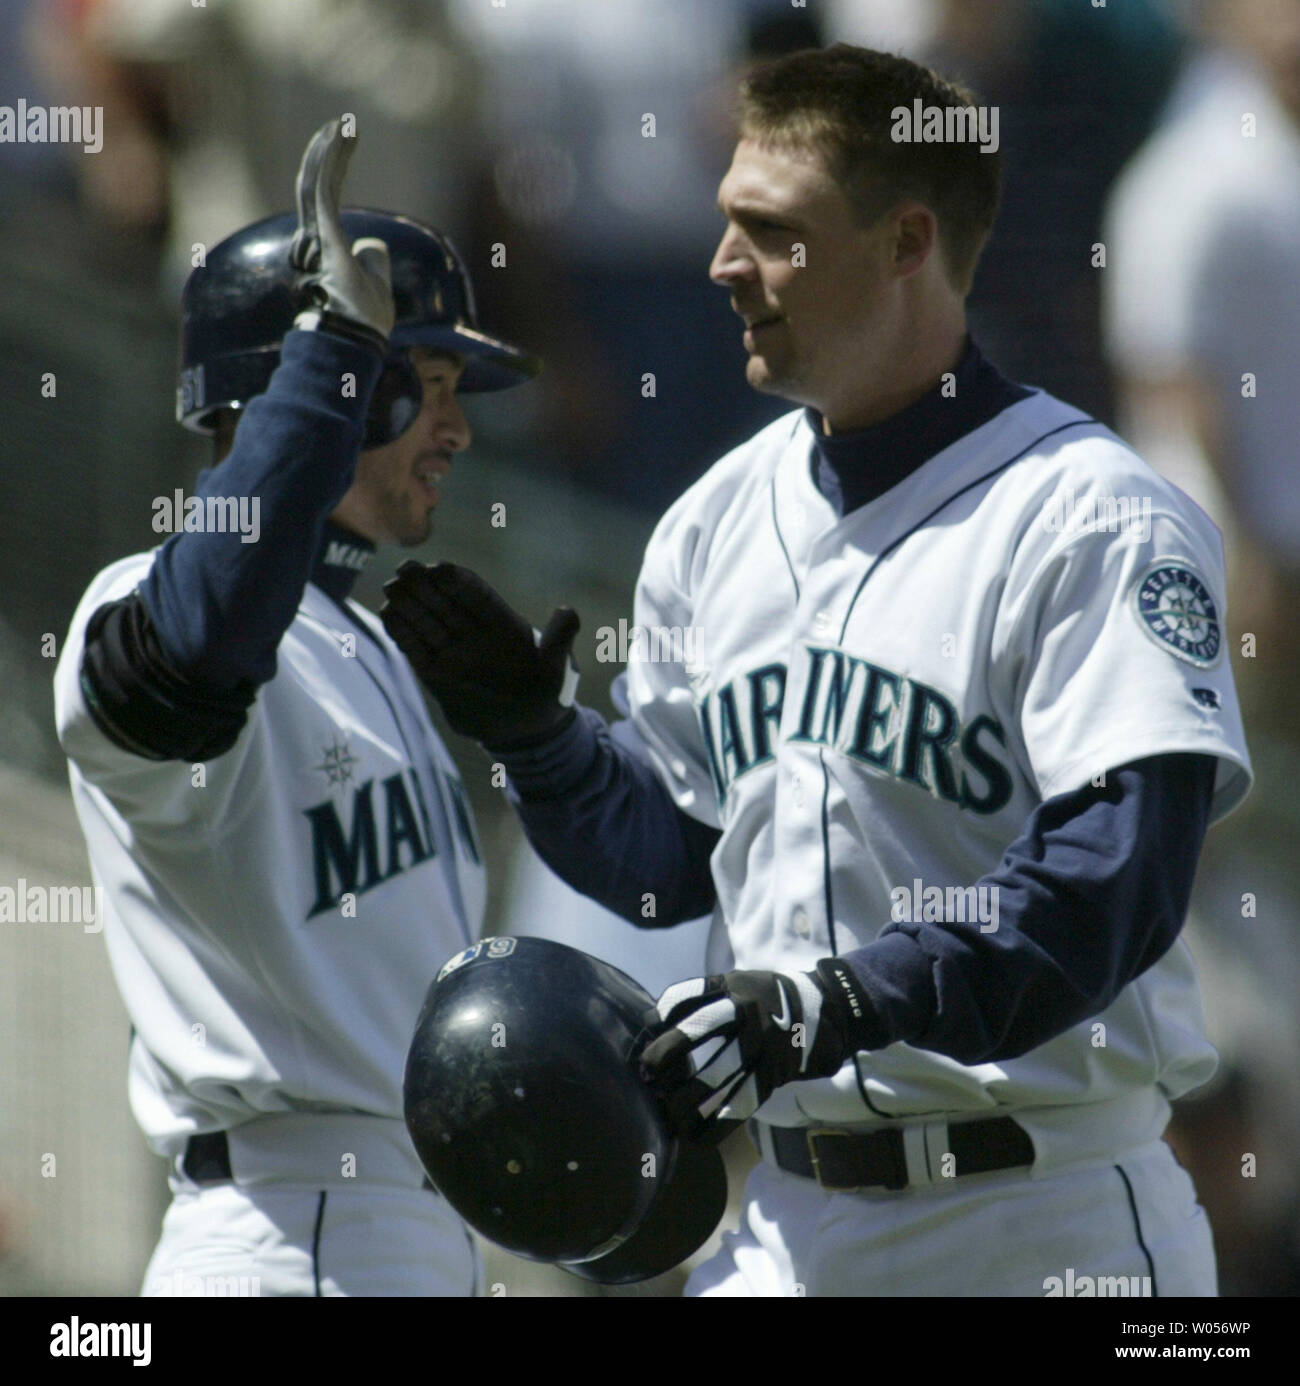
{"points": [[1204, 289], [206, 102], [1202, 318], [1078, 88], [44, 208]]}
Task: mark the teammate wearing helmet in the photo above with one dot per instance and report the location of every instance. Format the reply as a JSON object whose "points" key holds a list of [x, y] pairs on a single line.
{"points": [[285, 848]]}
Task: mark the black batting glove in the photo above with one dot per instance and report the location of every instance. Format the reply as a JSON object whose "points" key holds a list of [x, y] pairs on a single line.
{"points": [[726, 1043], [495, 678]]}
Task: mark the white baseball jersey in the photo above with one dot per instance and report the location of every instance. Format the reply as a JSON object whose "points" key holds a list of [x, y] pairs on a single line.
{"points": [[878, 703], [274, 918]]}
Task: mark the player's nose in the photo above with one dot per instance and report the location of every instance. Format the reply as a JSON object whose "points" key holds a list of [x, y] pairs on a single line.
{"points": [[451, 427], [731, 260], [441, 421]]}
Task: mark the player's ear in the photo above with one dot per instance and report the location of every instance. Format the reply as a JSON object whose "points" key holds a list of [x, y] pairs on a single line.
{"points": [[916, 237]]}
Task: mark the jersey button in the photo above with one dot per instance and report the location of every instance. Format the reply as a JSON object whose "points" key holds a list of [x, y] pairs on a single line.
{"points": [[802, 924], [796, 786], [823, 622]]}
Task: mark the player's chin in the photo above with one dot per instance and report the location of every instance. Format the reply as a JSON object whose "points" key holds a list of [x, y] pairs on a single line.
{"points": [[760, 376], [416, 527]]}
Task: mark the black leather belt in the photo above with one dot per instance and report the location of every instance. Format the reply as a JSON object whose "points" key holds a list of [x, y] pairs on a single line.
{"points": [[207, 1160], [845, 1161]]}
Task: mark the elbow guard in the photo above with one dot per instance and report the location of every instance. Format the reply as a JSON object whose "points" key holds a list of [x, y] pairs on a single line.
{"points": [[141, 703]]}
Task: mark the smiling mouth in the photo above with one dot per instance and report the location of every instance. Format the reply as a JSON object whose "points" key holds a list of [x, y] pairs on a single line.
{"points": [[430, 473], [754, 328], [756, 325]]}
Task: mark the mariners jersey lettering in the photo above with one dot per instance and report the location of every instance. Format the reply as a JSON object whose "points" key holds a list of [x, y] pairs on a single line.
{"points": [[275, 915], [354, 861], [883, 698], [870, 714]]}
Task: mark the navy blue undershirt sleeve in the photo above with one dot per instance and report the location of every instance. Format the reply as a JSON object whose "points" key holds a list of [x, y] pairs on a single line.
{"points": [[170, 671], [220, 606], [1093, 892], [600, 817], [1090, 895]]}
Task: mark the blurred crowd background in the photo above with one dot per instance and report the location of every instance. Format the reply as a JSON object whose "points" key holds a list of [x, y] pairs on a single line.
{"points": [[1145, 264]]}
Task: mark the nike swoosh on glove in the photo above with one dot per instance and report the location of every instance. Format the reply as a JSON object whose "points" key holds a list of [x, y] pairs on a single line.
{"points": [[726, 1043]]}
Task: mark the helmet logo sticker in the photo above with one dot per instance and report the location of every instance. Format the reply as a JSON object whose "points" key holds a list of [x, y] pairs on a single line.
{"points": [[460, 959], [489, 948]]}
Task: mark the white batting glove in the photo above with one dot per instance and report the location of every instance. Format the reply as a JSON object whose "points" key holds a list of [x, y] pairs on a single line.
{"points": [[350, 287], [727, 1042]]}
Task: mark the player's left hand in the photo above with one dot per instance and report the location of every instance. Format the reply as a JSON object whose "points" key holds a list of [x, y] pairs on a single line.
{"points": [[728, 1042], [496, 680]]}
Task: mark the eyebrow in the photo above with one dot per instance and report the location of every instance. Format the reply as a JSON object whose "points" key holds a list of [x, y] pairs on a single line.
{"points": [[756, 213]]}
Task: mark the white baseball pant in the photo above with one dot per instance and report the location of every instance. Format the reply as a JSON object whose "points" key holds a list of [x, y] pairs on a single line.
{"points": [[1129, 1226]]}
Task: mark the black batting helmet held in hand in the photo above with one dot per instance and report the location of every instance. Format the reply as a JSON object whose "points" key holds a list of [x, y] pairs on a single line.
{"points": [[525, 1104], [237, 306]]}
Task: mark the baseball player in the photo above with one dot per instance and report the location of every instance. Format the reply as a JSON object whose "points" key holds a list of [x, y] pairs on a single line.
{"points": [[285, 847], [957, 717]]}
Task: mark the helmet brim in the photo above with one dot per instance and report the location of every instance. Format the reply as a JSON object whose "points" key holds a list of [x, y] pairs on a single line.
{"points": [[680, 1220], [490, 363]]}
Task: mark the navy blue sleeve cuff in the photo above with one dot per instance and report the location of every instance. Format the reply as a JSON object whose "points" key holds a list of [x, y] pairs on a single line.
{"points": [[550, 769], [599, 816]]}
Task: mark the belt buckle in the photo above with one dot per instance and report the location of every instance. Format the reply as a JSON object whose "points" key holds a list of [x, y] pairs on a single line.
{"points": [[815, 1134]]}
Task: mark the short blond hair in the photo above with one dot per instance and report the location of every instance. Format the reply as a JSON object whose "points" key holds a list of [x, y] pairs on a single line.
{"points": [[840, 101]]}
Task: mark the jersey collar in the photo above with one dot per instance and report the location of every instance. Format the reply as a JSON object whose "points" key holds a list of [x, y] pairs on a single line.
{"points": [[851, 469], [340, 557]]}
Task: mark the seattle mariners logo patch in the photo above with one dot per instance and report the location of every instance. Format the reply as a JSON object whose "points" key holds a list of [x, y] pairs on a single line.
{"points": [[1174, 607]]}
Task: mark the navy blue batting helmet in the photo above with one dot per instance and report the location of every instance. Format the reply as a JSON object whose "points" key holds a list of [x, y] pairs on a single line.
{"points": [[238, 305], [524, 1102]]}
